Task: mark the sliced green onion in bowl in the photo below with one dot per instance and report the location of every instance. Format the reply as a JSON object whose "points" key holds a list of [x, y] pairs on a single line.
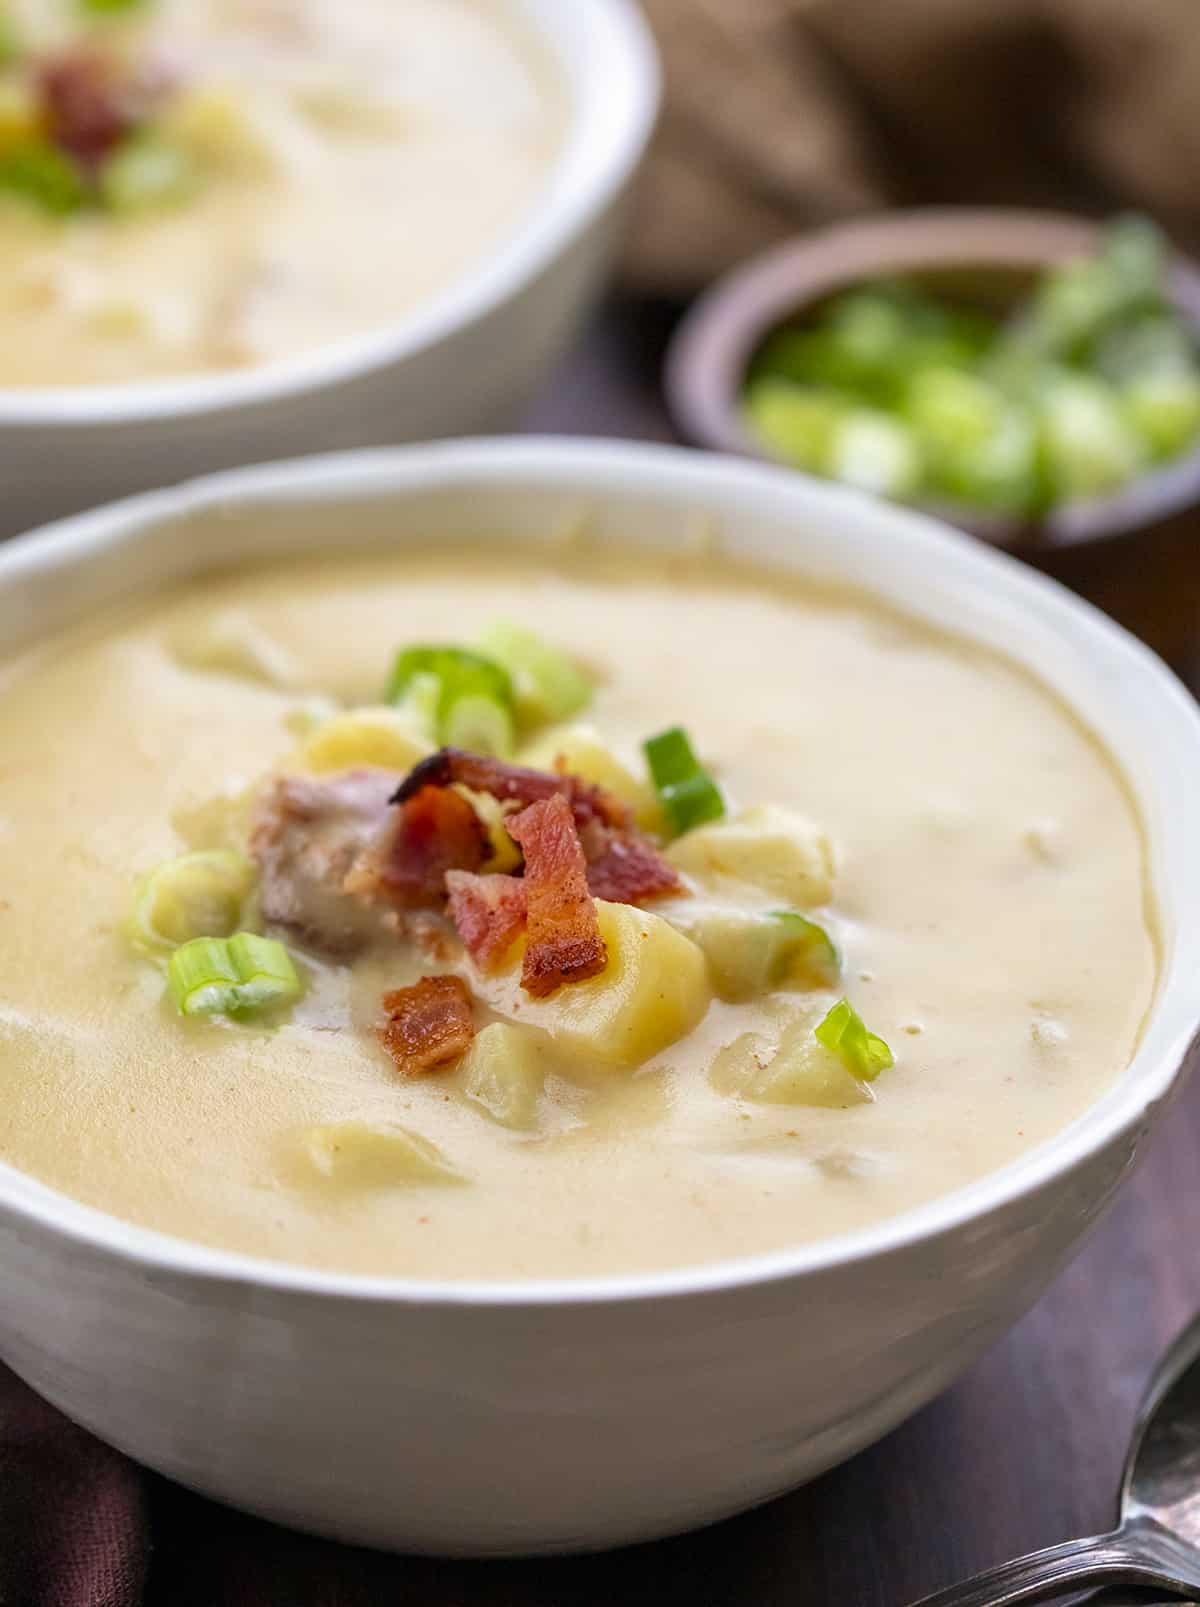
{"points": [[900, 390], [202, 894], [43, 176], [11, 46], [457, 669], [688, 794], [547, 683], [1076, 304], [479, 724], [793, 421], [111, 8], [753, 952], [861, 1052], [875, 452], [147, 172], [1089, 448], [809, 945], [432, 682], [419, 702], [231, 976], [1164, 409]]}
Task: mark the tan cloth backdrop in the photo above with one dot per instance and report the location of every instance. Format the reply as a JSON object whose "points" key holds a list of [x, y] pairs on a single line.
{"points": [[784, 113]]}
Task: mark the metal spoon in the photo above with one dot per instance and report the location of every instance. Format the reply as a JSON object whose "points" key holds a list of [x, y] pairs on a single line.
{"points": [[1156, 1545]]}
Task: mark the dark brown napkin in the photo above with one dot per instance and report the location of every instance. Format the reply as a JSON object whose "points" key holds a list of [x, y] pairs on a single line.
{"points": [[82, 1527], [73, 1522], [782, 114]]}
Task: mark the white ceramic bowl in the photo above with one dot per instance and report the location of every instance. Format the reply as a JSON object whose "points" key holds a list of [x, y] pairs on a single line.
{"points": [[465, 360], [514, 1417]]}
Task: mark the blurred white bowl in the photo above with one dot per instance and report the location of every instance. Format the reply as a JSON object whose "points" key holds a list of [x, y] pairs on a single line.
{"points": [[463, 361], [513, 1417]]}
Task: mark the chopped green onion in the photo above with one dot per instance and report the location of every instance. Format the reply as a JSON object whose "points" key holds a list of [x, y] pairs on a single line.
{"points": [[548, 684], [900, 391], [479, 724], [1088, 446], [231, 976], [446, 688], [11, 48], [794, 422], [110, 8], [860, 1051], [1156, 344], [752, 952], [1076, 304], [1164, 409], [43, 175], [978, 447], [876, 453], [458, 670], [198, 895], [147, 172], [688, 794], [809, 944]]}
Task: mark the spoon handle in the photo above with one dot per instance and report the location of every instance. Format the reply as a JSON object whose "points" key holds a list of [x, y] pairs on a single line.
{"points": [[1142, 1555]]}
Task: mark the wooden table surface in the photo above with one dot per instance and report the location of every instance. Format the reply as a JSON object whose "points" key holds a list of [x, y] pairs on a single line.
{"points": [[1024, 1451]]}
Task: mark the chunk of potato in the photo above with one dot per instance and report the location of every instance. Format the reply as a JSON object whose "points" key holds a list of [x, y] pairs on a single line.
{"points": [[377, 736], [219, 126], [750, 952], [771, 848], [736, 1063], [504, 1071], [229, 642], [581, 750], [800, 1071], [653, 989], [376, 1155], [340, 105]]}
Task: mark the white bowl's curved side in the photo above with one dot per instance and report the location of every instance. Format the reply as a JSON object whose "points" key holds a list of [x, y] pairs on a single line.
{"points": [[464, 361], [477, 1429], [512, 1417]]}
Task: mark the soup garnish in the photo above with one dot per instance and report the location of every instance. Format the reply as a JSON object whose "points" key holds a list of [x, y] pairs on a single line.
{"points": [[526, 878]]}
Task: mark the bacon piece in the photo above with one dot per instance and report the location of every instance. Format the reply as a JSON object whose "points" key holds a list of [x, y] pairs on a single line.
{"points": [[488, 911], [428, 1025], [564, 942], [515, 783], [433, 831], [92, 101], [630, 870]]}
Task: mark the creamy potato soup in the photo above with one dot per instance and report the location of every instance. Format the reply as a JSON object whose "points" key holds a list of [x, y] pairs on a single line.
{"points": [[504, 915], [200, 185]]}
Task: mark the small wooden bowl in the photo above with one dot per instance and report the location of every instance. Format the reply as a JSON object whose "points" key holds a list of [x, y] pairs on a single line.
{"points": [[990, 257]]}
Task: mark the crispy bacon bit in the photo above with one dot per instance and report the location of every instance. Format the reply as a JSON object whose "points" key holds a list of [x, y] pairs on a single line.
{"points": [[515, 783], [630, 870], [433, 831], [428, 1025], [564, 943], [91, 101], [488, 911]]}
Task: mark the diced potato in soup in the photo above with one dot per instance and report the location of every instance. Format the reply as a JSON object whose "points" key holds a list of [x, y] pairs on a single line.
{"points": [[501, 913], [191, 186]]}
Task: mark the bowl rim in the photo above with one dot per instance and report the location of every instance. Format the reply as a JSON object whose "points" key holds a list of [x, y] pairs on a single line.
{"points": [[719, 333], [605, 56], [690, 479]]}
